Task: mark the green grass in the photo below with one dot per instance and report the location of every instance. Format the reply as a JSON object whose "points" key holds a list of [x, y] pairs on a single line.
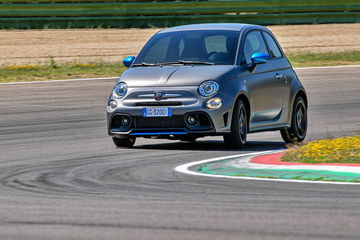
{"points": [[324, 59], [70, 71], [54, 71]]}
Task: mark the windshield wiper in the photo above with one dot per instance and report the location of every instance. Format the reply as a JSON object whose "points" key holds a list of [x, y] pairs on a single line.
{"points": [[187, 62], [144, 64]]}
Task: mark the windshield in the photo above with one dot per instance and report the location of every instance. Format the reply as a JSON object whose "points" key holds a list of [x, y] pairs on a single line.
{"points": [[190, 47]]}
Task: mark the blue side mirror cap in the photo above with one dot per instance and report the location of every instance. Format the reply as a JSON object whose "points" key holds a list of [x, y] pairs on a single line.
{"points": [[260, 58], [128, 61]]}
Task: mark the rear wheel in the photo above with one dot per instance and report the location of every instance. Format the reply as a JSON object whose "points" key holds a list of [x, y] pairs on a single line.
{"points": [[239, 127], [297, 131], [124, 142]]}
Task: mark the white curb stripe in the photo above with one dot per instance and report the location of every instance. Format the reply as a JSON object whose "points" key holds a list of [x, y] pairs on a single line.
{"points": [[185, 169], [110, 78], [246, 163]]}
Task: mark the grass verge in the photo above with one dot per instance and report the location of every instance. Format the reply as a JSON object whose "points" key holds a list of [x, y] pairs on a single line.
{"points": [[52, 72], [324, 59], [339, 150], [69, 71]]}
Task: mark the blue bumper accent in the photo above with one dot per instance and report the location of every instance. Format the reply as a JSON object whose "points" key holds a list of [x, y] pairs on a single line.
{"points": [[156, 133]]}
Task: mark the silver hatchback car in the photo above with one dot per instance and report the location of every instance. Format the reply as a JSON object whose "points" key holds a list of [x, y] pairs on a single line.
{"points": [[204, 80]]}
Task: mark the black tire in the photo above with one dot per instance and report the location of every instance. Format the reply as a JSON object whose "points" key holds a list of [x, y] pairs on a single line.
{"points": [[124, 142], [297, 131], [239, 127]]}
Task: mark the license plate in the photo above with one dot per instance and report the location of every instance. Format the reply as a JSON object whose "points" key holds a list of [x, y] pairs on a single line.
{"points": [[157, 112]]}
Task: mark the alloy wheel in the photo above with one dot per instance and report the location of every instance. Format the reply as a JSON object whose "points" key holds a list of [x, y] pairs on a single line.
{"points": [[300, 120], [242, 124]]}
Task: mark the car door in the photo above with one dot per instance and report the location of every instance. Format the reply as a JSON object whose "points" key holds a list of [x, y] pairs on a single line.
{"points": [[263, 83], [284, 70]]}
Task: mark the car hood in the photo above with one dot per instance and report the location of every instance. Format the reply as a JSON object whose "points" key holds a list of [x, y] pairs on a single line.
{"points": [[174, 75]]}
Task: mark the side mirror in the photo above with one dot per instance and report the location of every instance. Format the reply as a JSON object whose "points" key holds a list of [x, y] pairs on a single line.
{"points": [[128, 61], [258, 58]]}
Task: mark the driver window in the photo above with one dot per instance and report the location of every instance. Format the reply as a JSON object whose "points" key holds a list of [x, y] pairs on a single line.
{"points": [[254, 43], [216, 43]]}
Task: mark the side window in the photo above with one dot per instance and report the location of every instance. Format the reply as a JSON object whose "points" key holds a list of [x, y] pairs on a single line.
{"points": [[254, 43], [273, 47], [158, 51], [215, 43]]}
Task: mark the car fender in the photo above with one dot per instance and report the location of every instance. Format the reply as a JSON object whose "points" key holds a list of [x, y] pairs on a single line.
{"points": [[235, 88], [295, 88]]}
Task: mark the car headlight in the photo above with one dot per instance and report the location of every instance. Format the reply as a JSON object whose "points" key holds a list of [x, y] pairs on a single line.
{"points": [[214, 103], [120, 90], [112, 105], [208, 88]]}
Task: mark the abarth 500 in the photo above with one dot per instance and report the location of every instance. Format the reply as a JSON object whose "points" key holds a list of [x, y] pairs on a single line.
{"points": [[206, 80]]}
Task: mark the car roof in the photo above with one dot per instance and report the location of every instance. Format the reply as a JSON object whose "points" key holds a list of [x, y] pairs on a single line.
{"points": [[213, 26]]}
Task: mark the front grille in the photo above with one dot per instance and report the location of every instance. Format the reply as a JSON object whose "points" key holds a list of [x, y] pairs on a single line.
{"points": [[172, 103], [159, 122]]}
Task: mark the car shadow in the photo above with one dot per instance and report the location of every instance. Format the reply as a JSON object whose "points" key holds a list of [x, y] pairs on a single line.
{"points": [[214, 145]]}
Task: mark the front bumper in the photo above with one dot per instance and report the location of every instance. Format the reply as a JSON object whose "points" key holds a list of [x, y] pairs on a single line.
{"points": [[211, 122]]}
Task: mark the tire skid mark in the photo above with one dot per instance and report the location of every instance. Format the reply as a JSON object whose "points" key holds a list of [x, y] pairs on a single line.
{"points": [[271, 232], [93, 175]]}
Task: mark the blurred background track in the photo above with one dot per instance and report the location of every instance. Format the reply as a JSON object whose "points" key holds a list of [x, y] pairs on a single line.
{"points": [[20, 47], [22, 14]]}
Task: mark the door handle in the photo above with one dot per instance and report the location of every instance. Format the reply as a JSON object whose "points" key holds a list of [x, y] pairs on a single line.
{"points": [[279, 76]]}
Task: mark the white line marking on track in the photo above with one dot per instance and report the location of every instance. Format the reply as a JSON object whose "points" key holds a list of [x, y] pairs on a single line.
{"points": [[114, 78], [59, 81], [341, 66], [184, 168]]}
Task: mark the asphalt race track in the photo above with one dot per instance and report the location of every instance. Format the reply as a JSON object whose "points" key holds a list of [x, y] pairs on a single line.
{"points": [[62, 178]]}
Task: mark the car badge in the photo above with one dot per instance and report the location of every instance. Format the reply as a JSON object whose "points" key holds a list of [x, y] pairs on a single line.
{"points": [[159, 95]]}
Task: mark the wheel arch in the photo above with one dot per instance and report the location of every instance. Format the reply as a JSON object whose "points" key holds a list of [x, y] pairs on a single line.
{"points": [[299, 92], [246, 101], [302, 94]]}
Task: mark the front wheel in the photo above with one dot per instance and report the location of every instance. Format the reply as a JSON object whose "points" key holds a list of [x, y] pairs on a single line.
{"points": [[124, 142], [239, 127], [297, 131]]}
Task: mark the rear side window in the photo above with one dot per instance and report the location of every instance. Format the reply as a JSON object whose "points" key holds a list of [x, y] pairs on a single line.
{"points": [[254, 43], [273, 47]]}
